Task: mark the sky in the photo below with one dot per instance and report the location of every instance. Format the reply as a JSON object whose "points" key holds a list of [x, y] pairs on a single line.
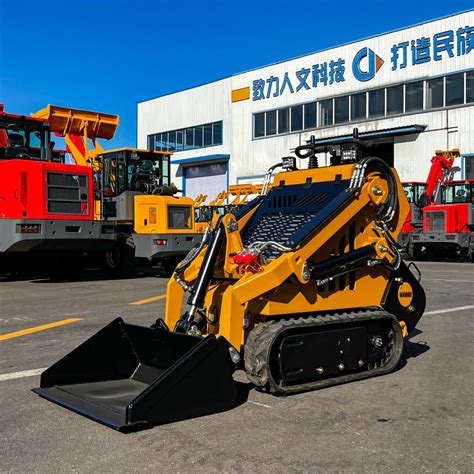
{"points": [[108, 55]]}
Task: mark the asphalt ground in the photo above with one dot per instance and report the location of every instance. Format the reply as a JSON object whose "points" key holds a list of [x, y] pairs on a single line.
{"points": [[419, 418]]}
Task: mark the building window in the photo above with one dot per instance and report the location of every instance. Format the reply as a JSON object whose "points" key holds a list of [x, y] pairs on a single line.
{"points": [[207, 134], [394, 100], [341, 109], [200, 136], [179, 140], [326, 112], [470, 87], [310, 115], [454, 89], [296, 118], [198, 143], [271, 123], [414, 96], [259, 125], [283, 119], [217, 133], [377, 103], [451, 90], [358, 106], [151, 142], [434, 93]]}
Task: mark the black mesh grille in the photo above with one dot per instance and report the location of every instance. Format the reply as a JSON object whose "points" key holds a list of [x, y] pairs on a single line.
{"points": [[279, 227], [67, 193], [55, 207], [67, 179], [435, 221], [288, 215], [63, 193]]}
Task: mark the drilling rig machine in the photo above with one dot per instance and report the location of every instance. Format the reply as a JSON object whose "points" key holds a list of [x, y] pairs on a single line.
{"points": [[303, 288]]}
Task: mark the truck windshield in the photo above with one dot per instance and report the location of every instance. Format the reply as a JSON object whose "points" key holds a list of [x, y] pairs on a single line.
{"points": [[457, 193]]}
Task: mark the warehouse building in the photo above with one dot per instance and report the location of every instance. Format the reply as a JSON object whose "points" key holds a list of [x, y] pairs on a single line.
{"points": [[410, 90]]}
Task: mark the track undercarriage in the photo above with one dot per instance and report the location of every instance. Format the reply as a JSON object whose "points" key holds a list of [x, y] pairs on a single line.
{"points": [[291, 355]]}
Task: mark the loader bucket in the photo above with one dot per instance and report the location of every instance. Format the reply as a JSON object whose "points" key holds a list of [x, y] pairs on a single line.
{"points": [[64, 120], [130, 377]]}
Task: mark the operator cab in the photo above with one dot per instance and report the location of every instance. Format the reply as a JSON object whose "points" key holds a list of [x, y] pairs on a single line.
{"points": [[127, 169], [415, 191], [458, 192], [25, 138]]}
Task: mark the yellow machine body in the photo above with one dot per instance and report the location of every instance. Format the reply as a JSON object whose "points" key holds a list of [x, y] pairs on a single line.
{"points": [[152, 214], [239, 301], [303, 288]]}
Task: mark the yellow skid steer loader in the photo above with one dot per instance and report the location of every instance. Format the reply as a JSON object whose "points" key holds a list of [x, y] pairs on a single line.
{"points": [[303, 288]]}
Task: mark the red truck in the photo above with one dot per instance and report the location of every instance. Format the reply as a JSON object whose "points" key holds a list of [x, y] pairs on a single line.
{"points": [[421, 194], [45, 204], [448, 225]]}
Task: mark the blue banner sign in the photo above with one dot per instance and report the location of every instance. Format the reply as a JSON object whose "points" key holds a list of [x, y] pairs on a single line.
{"points": [[366, 63]]}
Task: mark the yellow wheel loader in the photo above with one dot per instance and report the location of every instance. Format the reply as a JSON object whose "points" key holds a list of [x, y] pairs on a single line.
{"points": [[133, 193], [303, 288]]}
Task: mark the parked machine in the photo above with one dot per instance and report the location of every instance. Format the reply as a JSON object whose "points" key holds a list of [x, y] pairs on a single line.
{"points": [[421, 194], [448, 225], [45, 204], [133, 191], [232, 200], [303, 288]]}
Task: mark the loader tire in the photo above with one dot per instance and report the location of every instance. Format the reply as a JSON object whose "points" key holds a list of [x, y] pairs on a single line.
{"points": [[260, 350], [119, 260]]}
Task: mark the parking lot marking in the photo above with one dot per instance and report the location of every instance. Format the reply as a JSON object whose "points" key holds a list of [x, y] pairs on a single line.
{"points": [[20, 375], [259, 404], [449, 310], [24, 332], [443, 279], [148, 300]]}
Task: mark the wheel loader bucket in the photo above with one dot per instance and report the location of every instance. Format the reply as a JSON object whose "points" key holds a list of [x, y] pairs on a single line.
{"points": [[64, 120], [130, 377]]}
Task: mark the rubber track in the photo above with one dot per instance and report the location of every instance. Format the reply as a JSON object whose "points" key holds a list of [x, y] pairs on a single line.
{"points": [[260, 340]]}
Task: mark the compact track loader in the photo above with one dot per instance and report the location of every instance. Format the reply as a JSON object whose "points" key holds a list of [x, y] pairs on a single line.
{"points": [[303, 288]]}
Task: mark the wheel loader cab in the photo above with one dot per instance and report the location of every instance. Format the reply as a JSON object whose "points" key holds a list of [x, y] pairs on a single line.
{"points": [[130, 171], [24, 138], [303, 288]]}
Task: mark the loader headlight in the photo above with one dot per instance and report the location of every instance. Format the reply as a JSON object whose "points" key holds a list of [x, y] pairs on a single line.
{"points": [[161, 241], [349, 155], [28, 228]]}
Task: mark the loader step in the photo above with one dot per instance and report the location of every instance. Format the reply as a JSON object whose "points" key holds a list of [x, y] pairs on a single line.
{"points": [[304, 353]]}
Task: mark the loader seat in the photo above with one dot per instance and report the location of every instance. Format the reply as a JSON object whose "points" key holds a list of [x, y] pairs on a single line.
{"points": [[17, 145]]}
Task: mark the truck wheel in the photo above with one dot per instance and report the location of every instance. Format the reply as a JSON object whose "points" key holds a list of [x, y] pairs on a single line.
{"points": [[118, 260], [169, 264]]}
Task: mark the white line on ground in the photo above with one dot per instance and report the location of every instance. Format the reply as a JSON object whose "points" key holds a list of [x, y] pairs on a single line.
{"points": [[259, 404], [449, 310], [440, 271], [443, 279], [20, 375]]}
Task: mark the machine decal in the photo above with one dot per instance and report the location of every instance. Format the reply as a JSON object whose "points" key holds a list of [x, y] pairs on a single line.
{"points": [[405, 294]]}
